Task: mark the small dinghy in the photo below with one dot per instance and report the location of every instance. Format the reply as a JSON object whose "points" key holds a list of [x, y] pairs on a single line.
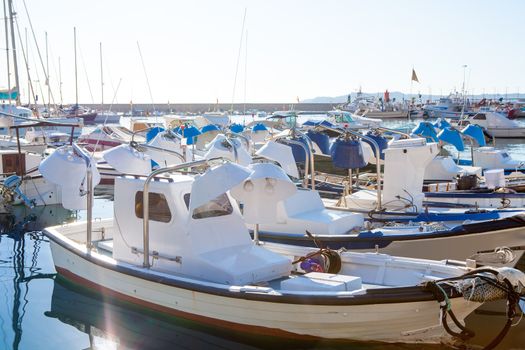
{"points": [[178, 244]]}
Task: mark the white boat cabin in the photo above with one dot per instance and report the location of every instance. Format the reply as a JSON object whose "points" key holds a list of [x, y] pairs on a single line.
{"points": [[210, 242]]}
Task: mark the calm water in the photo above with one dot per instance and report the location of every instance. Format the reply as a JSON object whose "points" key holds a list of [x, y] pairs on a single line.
{"points": [[40, 311]]}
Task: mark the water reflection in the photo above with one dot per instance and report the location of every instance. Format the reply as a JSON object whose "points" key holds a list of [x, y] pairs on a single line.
{"points": [[19, 267], [23, 219], [117, 325], [39, 311]]}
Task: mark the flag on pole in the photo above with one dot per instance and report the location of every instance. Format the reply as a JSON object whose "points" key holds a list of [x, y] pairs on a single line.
{"points": [[414, 76]]}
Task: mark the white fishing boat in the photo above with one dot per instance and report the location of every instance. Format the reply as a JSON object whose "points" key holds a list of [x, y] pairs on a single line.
{"points": [[21, 182], [454, 107], [214, 117], [345, 119], [178, 244], [104, 137], [496, 124], [107, 117], [10, 142], [46, 136]]}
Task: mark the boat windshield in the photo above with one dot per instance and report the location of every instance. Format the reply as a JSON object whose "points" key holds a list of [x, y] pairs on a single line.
{"points": [[218, 206], [341, 118]]}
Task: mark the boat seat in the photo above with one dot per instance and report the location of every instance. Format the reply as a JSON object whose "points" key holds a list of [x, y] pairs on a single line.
{"points": [[305, 211], [240, 265], [317, 281]]}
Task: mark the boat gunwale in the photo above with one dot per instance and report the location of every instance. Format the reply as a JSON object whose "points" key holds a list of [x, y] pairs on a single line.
{"points": [[509, 223], [387, 295]]}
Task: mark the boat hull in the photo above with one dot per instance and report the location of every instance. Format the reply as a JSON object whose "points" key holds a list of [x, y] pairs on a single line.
{"points": [[386, 319], [482, 200], [456, 244], [506, 132]]}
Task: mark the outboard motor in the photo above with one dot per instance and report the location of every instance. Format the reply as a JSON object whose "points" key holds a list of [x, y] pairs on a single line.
{"points": [[453, 137], [321, 139], [426, 130], [150, 135], [347, 153], [12, 193], [236, 128], [259, 133]]}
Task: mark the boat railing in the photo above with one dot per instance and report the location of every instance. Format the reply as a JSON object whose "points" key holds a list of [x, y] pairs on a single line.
{"points": [[242, 137], [393, 131], [309, 156], [145, 199], [137, 145], [89, 185]]}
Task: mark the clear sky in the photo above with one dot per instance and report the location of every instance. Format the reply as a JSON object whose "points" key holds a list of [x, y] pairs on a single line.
{"points": [[295, 48]]}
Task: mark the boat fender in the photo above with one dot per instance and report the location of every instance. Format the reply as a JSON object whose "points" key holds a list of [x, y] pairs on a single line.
{"points": [[311, 265]]}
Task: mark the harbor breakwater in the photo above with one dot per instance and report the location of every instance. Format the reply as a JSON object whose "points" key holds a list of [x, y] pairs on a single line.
{"points": [[207, 107]]}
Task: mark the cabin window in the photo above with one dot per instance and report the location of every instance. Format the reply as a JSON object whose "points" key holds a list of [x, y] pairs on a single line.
{"points": [[187, 200], [505, 155], [219, 206], [159, 209], [480, 116], [348, 118]]}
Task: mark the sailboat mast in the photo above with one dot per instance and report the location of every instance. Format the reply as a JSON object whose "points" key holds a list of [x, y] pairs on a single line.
{"points": [[245, 73], [76, 76], [7, 54], [101, 79], [15, 62], [47, 78], [27, 71], [60, 80]]}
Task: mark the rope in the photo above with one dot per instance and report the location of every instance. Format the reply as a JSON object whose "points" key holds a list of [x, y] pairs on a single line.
{"points": [[504, 285], [37, 191], [331, 260]]}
